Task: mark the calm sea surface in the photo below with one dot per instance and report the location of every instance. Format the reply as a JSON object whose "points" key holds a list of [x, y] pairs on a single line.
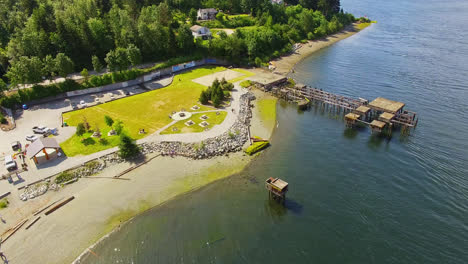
{"points": [[353, 198]]}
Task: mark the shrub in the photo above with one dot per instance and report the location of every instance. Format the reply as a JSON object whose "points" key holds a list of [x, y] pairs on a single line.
{"points": [[118, 127], [109, 121], [246, 84], [204, 98], [3, 120], [256, 147], [103, 141], [80, 129], [4, 203], [64, 177], [258, 61]]}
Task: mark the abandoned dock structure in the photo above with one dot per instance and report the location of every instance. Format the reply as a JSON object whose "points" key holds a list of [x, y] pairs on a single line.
{"points": [[381, 114]]}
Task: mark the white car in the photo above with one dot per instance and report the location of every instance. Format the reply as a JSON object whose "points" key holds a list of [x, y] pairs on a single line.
{"points": [[10, 164], [83, 103], [31, 138], [40, 129]]}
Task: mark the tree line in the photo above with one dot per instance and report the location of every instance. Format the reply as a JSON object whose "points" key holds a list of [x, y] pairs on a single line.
{"points": [[45, 38]]}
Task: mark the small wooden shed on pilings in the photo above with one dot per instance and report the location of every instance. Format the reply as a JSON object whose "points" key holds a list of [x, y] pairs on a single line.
{"points": [[277, 188], [377, 126], [363, 111], [351, 119]]}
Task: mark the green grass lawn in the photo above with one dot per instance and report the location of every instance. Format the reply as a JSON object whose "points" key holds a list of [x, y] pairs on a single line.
{"points": [[149, 111], [213, 119], [267, 109]]}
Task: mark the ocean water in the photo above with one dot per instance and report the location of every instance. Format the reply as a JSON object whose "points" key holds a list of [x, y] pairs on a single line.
{"points": [[353, 198]]}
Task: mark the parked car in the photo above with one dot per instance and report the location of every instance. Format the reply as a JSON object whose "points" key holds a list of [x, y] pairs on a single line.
{"points": [[10, 164], [40, 129], [31, 138], [15, 145], [83, 103]]}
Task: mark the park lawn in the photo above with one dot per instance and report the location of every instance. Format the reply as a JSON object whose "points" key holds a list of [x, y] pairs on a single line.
{"points": [[149, 111], [240, 78], [73, 146], [213, 119], [267, 109]]}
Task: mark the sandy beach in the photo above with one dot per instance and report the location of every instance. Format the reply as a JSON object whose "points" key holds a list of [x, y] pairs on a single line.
{"points": [[103, 203], [286, 63]]}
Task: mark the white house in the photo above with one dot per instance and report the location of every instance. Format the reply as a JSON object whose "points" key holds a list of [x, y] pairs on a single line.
{"points": [[207, 14], [200, 32], [278, 2]]}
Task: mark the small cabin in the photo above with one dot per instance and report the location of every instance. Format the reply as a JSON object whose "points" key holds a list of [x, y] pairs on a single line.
{"points": [[201, 32], [207, 14], [276, 188], [377, 126], [363, 111], [351, 119]]}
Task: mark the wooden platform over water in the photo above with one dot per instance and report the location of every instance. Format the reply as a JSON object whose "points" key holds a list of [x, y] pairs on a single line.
{"points": [[386, 113]]}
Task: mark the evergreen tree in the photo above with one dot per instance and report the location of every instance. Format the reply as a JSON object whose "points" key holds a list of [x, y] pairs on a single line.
{"points": [[85, 74], [63, 64], [80, 129], [127, 147], [134, 55], [97, 66], [109, 121]]}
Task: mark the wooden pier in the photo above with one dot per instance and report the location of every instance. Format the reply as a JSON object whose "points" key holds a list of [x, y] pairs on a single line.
{"points": [[277, 189], [381, 114]]}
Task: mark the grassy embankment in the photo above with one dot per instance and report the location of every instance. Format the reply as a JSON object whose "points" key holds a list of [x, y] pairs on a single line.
{"points": [[149, 111], [362, 26], [267, 110]]}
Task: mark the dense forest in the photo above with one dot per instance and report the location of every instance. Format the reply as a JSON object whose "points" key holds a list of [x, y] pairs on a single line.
{"points": [[46, 38]]}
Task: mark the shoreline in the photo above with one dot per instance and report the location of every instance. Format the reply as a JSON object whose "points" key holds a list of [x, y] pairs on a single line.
{"points": [[285, 64], [103, 205]]}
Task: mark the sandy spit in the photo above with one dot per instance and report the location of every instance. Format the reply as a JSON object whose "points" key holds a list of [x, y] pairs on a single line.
{"points": [[286, 63]]}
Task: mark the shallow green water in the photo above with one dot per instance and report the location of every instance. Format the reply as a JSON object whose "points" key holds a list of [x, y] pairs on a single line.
{"points": [[353, 198]]}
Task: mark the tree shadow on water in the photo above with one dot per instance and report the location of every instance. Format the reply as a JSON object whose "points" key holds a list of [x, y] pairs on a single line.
{"points": [[376, 141], [278, 209]]}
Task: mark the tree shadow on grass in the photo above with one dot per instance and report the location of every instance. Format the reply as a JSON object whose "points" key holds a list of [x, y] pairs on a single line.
{"points": [[88, 141]]}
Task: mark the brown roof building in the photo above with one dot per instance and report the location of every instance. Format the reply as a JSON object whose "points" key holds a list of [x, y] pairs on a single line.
{"points": [[43, 150]]}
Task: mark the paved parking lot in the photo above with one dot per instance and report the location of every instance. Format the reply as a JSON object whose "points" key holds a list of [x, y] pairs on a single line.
{"points": [[49, 115]]}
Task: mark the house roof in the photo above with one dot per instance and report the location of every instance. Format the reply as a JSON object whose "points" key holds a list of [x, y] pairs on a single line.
{"points": [[362, 109], [196, 28], [376, 123], [386, 117], [40, 144], [280, 184], [209, 10], [352, 116], [385, 105]]}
